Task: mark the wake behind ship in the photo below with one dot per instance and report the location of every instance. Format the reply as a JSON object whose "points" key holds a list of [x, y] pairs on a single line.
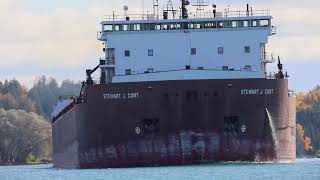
{"points": [[179, 88]]}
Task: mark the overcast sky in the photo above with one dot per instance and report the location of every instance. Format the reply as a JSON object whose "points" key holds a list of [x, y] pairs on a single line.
{"points": [[58, 37]]}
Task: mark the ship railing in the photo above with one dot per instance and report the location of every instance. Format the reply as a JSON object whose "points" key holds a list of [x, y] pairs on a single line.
{"points": [[273, 75], [192, 15], [108, 61], [226, 14]]}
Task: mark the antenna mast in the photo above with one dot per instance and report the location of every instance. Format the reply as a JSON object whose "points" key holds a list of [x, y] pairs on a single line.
{"points": [[142, 6], [156, 8]]}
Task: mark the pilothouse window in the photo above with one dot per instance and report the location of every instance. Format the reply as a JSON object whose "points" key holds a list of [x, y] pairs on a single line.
{"points": [[245, 23], [214, 25], [108, 27], [117, 27], [164, 26], [234, 24], [152, 26], [264, 23], [240, 24], [131, 27], [172, 26], [195, 26], [207, 24], [126, 27], [227, 24], [146, 27], [254, 23], [137, 27]]}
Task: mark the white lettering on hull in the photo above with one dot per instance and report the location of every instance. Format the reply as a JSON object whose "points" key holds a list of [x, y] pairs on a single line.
{"points": [[122, 96], [257, 91]]}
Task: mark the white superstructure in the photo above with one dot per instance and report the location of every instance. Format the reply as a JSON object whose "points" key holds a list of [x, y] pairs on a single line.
{"points": [[222, 45]]}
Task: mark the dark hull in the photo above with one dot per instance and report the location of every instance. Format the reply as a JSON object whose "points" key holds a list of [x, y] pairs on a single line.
{"points": [[177, 122]]}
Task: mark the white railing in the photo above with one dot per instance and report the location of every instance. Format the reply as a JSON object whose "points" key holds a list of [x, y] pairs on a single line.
{"points": [[192, 15], [108, 61]]}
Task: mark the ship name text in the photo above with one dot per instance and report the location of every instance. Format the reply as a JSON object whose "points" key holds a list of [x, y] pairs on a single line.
{"points": [[122, 96], [257, 91]]}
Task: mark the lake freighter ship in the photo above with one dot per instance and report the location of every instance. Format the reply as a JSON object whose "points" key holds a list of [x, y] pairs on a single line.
{"points": [[179, 87]]}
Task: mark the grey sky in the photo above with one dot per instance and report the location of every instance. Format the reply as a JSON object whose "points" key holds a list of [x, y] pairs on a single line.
{"points": [[58, 38]]}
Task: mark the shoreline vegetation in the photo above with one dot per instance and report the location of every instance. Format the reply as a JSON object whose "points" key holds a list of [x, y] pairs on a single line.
{"points": [[25, 120]]}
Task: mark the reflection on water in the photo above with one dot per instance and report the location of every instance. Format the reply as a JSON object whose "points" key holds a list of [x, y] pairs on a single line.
{"points": [[302, 169]]}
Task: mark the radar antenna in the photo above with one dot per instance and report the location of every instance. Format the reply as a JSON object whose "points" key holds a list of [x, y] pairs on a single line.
{"points": [[184, 10], [125, 9]]}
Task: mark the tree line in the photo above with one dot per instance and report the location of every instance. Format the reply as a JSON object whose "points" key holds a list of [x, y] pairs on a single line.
{"points": [[25, 126]]}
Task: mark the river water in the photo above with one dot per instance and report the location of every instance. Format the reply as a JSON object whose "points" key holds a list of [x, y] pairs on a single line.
{"points": [[301, 169]]}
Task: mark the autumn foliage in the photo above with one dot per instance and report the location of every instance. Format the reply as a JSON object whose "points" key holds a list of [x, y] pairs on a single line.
{"points": [[308, 117]]}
